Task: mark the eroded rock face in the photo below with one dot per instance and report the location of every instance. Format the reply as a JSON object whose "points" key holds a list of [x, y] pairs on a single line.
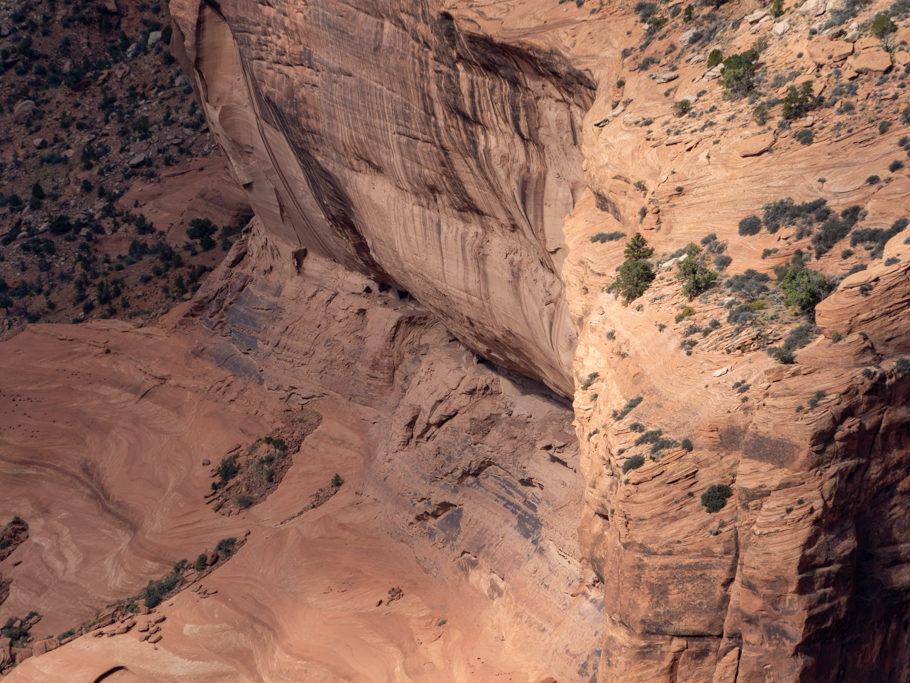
{"points": [[382, 135], [440, 161]]}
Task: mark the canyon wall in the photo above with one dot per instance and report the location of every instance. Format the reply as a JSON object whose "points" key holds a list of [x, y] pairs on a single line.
{"points": [[419, 150], [434, 159]]}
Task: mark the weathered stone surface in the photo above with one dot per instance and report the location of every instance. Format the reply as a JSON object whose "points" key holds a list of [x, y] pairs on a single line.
{"points": [[755, 145], [871, 60], [494, 174], [23, 111], [824, 51]]}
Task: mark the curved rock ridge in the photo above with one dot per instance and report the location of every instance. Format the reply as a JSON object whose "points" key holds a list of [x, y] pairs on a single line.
{"points": [[435, 159]]}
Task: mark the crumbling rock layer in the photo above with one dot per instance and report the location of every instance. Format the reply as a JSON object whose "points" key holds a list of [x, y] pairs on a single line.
{"points": [[382, 135], [460, 491]]}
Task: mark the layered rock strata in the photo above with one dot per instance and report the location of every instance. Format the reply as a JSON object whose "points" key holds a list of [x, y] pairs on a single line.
{"points": [[432, 158]]}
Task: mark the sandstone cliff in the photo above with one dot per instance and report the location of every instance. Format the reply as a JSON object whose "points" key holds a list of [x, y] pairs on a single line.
{"points": [[384, 136], [785, 572], [740, 466]]}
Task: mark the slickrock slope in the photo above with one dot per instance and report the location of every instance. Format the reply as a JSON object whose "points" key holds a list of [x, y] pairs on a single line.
{"points": [[429, 172], [801, 576], [784, 579], [383, 135], [460, 489]]}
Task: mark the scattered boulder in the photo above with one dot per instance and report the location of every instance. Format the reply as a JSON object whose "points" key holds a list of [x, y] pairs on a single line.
{"points": [[813, 8], [665, 76], [833, 50], [872, 61], [43, 646], [755, 145], [23, 111], [138, 159], [713, 72]]}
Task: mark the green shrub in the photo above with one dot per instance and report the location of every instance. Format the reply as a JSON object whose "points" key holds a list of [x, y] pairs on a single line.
{"points": [[682, 108], [804, 288], [784, 212], [835, 229], [650, 436], [739, 73], [685, 313], [749, 285], [799, 101], [804, 136], [750, 225], [715, 57], [226, 546], [694, 275], [604, 237], [156, 591], [715, 498], [227, 470], [631, 404], [633, 463], [635, 274], [882, 26]]}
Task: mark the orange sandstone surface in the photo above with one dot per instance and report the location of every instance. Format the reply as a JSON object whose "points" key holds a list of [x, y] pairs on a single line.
{"points": [[443, 192]]}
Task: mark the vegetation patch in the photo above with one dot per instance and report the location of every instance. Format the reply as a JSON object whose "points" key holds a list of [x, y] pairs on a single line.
{"points": [[715, 498], [636, 274], [245, 477], [631, 404], [696, 278]]}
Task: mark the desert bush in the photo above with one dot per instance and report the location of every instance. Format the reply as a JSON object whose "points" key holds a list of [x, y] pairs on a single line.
{"points": [[750, 225], [804, 288], [631, 404], [682, 107], [715, 57], [750, 284], [635, 274], [738, 76], [835, 229], [694, 275], [804, 136], [715, 498], [784, 212], [604, 237], [226, 546], [633, 463], [881, 26], [799, 101]]}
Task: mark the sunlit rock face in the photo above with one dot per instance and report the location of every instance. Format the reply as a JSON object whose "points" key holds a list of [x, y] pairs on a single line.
{"points": [[436, 160]]}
